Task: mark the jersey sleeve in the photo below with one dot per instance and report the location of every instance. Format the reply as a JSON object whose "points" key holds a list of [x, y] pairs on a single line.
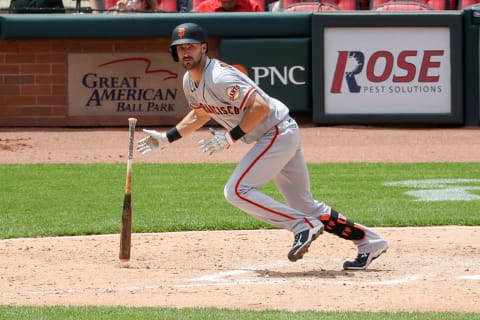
{"points": [[189, 93], [233, 87]]}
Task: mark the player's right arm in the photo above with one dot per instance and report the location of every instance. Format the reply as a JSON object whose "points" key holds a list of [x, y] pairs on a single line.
{"points": [[193, 121]]}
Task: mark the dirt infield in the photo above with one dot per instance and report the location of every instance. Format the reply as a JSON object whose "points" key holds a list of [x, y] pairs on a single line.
{"points": [[425, 269]]}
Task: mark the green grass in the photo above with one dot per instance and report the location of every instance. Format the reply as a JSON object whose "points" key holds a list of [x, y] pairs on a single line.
{"points": [[110, 313], [49, 200], [61, 199]]}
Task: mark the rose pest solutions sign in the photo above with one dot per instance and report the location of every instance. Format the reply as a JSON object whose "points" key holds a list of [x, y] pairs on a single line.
{"points": [[117, 84], [387, 71]]}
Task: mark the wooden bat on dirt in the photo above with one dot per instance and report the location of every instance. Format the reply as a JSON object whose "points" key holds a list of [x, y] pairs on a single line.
{"points": [[126, 233]]}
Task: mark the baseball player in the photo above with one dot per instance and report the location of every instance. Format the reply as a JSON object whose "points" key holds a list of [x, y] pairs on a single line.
{"points": [[216, 90]]}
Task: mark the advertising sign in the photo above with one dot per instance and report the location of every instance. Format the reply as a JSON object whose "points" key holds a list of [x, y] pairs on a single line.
{"points": [[114, 84], [388, 70], [280, 66]]}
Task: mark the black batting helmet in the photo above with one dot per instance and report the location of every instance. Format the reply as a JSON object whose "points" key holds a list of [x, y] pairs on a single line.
{"points": [[186, 33]]}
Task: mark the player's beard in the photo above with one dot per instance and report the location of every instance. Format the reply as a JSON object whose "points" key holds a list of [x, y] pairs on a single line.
{"points": [[192, 62]]}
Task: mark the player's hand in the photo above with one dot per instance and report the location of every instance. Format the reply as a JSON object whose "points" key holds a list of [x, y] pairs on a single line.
{"points": [[155, 140], [220, 140]]}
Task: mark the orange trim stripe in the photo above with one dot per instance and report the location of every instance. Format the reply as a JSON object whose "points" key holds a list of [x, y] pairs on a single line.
{"points": [[257, 204], [245, 98]]}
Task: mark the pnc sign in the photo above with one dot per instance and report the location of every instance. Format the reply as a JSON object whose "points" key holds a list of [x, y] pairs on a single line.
{"points": [[280, 66], [281, 75]]}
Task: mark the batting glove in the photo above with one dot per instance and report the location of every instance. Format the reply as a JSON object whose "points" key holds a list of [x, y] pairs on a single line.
{"points": [[220, 140], [152, 142]]}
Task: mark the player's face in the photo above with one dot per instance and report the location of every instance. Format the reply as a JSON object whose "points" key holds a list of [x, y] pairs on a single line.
{"points": [[190, 55]]}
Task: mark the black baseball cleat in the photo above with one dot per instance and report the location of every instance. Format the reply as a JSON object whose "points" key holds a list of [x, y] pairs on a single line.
{"points": [[302, 241], [363, 260]]}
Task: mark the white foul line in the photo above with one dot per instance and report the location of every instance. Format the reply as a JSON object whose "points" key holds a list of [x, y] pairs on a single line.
{"points": [[220, 278]]}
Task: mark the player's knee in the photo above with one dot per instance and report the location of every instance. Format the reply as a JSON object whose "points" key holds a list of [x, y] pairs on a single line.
{"points": [[234, 193], [228, 193]]}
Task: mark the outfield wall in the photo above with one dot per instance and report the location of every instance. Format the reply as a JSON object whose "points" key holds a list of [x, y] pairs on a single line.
{"points": [[334, 67]]}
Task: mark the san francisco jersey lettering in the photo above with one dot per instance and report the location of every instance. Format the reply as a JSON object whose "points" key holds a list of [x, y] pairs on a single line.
{"points": [[223, 93]]}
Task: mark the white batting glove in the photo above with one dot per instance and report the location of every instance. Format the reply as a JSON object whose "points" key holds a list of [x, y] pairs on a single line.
{"points": [[155, 140], [220, 140]]}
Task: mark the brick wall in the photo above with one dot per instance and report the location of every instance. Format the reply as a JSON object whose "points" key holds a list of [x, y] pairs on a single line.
{"points": [[33, 77]]}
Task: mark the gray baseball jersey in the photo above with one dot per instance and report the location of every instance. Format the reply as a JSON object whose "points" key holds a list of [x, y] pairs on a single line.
{"points": [[276, 155], [223, 93]]}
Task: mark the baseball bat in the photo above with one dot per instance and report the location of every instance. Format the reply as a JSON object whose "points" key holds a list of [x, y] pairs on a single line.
{"points": [[126, 233]]}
